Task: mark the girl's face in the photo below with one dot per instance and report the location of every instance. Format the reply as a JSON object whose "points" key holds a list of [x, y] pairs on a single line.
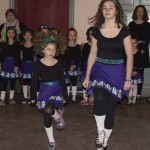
{"points": [[28, 36], [45, 31], [72, 36], [134, 44], [50, 50], [11, 34], [109, 10], [10, 17], [140, 12]]}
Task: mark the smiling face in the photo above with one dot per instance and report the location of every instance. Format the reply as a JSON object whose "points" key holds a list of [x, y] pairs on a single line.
{"points": [[27, 36], [109, 10], [50, 50], [10, 17]]}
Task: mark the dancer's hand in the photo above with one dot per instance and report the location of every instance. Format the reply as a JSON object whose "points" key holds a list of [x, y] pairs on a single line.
{"points": [[127, 86], [142, 52], [16, 69], [134, 73], [86, 82]]}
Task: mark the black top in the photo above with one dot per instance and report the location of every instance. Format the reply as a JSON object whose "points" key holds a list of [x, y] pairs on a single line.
{"points": [[64, 59], [85, 54], [111, 48], [28, 53], [74, 53], [48, 74], [10, 51], [142, 33]]}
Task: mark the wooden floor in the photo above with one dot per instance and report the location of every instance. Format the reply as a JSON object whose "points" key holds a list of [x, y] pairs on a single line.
{"points": [[21, 128]]}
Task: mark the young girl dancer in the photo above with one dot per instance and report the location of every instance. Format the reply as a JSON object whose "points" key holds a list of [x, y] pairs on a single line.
{"points": [[53, 87], [9, 63], [136, 76], [27, 63], [110, 41], [74, 56], [85, 54]]}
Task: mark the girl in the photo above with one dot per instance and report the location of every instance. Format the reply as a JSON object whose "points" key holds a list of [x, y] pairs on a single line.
{"points": [[27, 64], [74, 56], [136, 76], [140, 29], [63, 57], [9, 63], [85, 55], [110, 40], [53, 87]]}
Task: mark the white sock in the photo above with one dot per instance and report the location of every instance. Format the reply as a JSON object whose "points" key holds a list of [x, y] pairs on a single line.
{"points": [[68, 89], [28, 92], [11, 94], [50, 135], [74, 92], [100, 122], [56, 115], [84, 95], [3, 93], [25, 91], [107, 135]]}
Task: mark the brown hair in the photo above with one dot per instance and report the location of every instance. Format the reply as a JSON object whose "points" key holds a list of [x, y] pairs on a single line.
{"points": [[99, 19], [71, 29], [145, 15], [15, 32]]}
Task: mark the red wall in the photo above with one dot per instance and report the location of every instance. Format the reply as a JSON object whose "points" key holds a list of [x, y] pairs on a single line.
{"points": [[33, 13]]}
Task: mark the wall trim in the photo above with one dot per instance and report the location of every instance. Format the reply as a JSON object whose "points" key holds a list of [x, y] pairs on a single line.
{"points": [[71, 13], [12, 4]]}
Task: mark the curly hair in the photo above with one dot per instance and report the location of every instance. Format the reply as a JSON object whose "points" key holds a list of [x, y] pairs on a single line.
{"points": [[99, 19], [145, 15], [40, 41]]}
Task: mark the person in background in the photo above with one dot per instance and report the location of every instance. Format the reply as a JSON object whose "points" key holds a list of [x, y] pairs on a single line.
{"points": [[9, 64], [27, 62], [74, 57], [140, 29], [11, 21], [136, 76], [85, 54]]}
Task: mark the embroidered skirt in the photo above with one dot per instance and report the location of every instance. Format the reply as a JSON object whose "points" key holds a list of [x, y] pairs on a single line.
{"points": [[108, 76], [8, 69], [76, 71], [50, 92], [27, 68]]}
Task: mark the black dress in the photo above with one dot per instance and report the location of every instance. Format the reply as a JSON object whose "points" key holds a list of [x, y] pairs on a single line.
{"points": [[142, 33]]}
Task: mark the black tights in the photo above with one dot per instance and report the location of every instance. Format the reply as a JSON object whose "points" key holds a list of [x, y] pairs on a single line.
{"points": [[5, 84], [47, 113], [73, 80], [27, 82], [140, 85], [105, 104]]}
